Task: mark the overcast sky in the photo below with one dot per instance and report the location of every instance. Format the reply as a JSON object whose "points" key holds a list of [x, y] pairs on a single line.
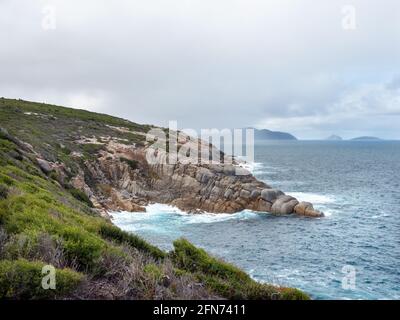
{"points": [[301, 66]]}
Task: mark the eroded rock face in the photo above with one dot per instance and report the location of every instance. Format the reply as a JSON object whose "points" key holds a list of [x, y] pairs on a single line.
{"points": [[114, 184]]}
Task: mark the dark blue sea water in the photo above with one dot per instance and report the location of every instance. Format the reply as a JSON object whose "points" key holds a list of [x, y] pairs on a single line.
{"points": [[357, 185]]}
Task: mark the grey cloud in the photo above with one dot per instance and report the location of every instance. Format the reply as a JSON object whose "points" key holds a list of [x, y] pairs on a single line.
{"points": [[283, 64], [394, 84]]}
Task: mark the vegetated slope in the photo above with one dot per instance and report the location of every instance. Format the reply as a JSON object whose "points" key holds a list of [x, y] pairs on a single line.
{"points": [[44, 220]]}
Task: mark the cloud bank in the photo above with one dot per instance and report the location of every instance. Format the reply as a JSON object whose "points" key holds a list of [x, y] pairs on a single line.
{"points": [[282, 65]]}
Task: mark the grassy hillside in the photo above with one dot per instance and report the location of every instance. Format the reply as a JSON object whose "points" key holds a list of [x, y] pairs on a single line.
{"points": [[45, 222], [53, 130]]}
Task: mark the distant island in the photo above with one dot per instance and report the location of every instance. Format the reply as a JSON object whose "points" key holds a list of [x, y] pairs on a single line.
{"points": [[366, 138], [334, 138], [265, 134]]}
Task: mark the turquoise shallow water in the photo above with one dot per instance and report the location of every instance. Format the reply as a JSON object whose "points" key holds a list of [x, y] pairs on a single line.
{"points": [[357, 184]]}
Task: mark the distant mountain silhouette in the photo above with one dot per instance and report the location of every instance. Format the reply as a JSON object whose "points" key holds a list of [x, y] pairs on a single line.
{"points": [[366, 138], [334, 138], [265, 134]]}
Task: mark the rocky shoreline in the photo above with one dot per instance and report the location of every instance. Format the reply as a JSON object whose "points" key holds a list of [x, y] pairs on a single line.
{"points": [[116, 176], [121, 179]]}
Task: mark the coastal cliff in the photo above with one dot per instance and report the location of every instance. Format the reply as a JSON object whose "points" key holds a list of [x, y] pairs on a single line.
{"points": [[105, 158]]}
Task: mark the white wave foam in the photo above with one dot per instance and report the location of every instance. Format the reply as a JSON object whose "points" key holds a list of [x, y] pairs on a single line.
{"points": [[156, 208], [252, 167], [321, 202], [382, 215], [163, 213], [314, 198], [328, 212], [218, 217]]}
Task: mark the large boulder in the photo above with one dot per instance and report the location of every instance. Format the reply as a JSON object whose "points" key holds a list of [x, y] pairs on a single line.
{"points": [[271, 195], [302, 207], [307, 209], [313, 213], [245, 194], [203, 175], [215, 190], [228, 193], [44, 165], [229, 170], [288, 207], [284, 205], [255, 194], [264, 206], [239, 171]]}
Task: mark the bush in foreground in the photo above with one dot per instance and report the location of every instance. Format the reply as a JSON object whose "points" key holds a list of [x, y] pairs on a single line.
{"points": [[3, 191], [225, 279], [22, 279]]}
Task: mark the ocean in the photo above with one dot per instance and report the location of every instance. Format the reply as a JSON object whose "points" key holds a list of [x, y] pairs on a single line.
{"points": [[352, 253]]}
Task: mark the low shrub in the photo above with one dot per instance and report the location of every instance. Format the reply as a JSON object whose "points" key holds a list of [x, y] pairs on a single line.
{"points": [[293, 294], [32, 246], [54, 175], [82, 247], [193, 259], [81, 196], [22, 279], [112, 264], [6, 180], [153, 271], [92, 148], [15, 155], [225, 279], [3, 241], [18, 246], [3, 191], [111, 232], [66, 151], [30, 187], [133, 164]]}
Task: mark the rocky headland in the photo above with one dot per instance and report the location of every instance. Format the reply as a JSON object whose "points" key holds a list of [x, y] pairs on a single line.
{"points": [[129, 183], [109, 164]]}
